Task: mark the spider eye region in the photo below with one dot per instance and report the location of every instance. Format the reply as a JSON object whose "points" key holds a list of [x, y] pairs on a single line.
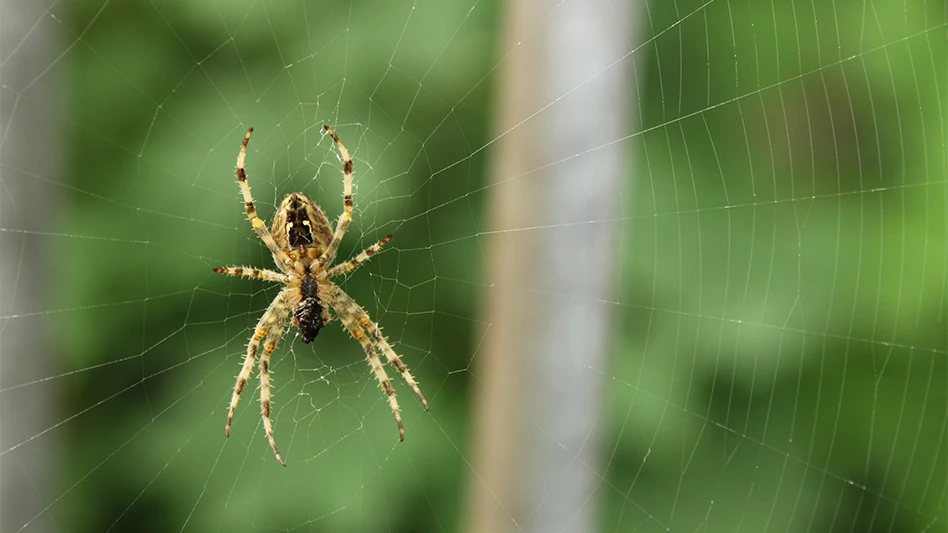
{"points": [[309, 314]]}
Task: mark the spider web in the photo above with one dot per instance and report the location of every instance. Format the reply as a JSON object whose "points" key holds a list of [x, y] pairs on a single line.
{"points": [[780, 360]]}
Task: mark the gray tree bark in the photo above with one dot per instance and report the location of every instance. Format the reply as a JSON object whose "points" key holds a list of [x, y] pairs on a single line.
{"points": [[552, 267], [30, 153]]}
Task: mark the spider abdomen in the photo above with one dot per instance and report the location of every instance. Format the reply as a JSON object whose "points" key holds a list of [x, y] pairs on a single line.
{"points": [[309, 314], [309, 318]]}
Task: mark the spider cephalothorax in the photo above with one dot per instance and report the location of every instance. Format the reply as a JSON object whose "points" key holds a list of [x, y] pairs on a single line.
{"points": [[303, 246], [300, 224]]}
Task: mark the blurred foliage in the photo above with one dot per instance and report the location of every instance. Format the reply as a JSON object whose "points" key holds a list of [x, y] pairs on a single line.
{"points": [[786, 262], [781, 355], [160, 98]]}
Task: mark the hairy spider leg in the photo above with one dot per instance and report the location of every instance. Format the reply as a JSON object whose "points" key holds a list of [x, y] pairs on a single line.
{"points": [[346, 306], [255, 273], [355, 262], [376, 365], [346, 215], [266, 404], [393, 358], [258, 225], [274, 316]]}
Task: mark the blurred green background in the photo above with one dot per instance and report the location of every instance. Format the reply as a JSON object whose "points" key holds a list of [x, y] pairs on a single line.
{"points": [[781, 360]]}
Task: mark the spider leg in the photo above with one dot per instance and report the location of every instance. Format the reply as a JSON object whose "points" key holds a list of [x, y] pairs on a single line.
{"points": [[256, 273], [345, 305], [244, 375], [258, 225], [346, 215], [274, 317], [352, 264], [393, 358], [351, 324], [265, 403]]}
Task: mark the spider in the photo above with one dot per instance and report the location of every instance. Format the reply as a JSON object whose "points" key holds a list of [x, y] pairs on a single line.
{"points": [[303, 247]]}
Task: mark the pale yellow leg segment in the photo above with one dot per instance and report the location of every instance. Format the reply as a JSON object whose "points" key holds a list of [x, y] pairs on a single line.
{"points": [[346, 215], [352, 264], [244, 375], [266, 402], [376, 365], [271, 322], [393, 358], [256, 273], [346, 306], [258, 225]]}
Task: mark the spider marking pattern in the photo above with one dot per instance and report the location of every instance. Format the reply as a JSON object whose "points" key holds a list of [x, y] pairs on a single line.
{"points": [[303, 247]]}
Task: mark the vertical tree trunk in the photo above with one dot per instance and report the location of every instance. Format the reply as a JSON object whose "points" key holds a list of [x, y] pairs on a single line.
{"points": [[564, 97], [29, 154]]}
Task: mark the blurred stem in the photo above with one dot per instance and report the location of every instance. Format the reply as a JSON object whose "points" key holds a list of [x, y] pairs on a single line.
{"points": [[30, 154], [552, 259]]}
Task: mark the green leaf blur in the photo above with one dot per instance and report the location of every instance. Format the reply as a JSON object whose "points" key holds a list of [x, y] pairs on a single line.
{"points": [[781, 355]]}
